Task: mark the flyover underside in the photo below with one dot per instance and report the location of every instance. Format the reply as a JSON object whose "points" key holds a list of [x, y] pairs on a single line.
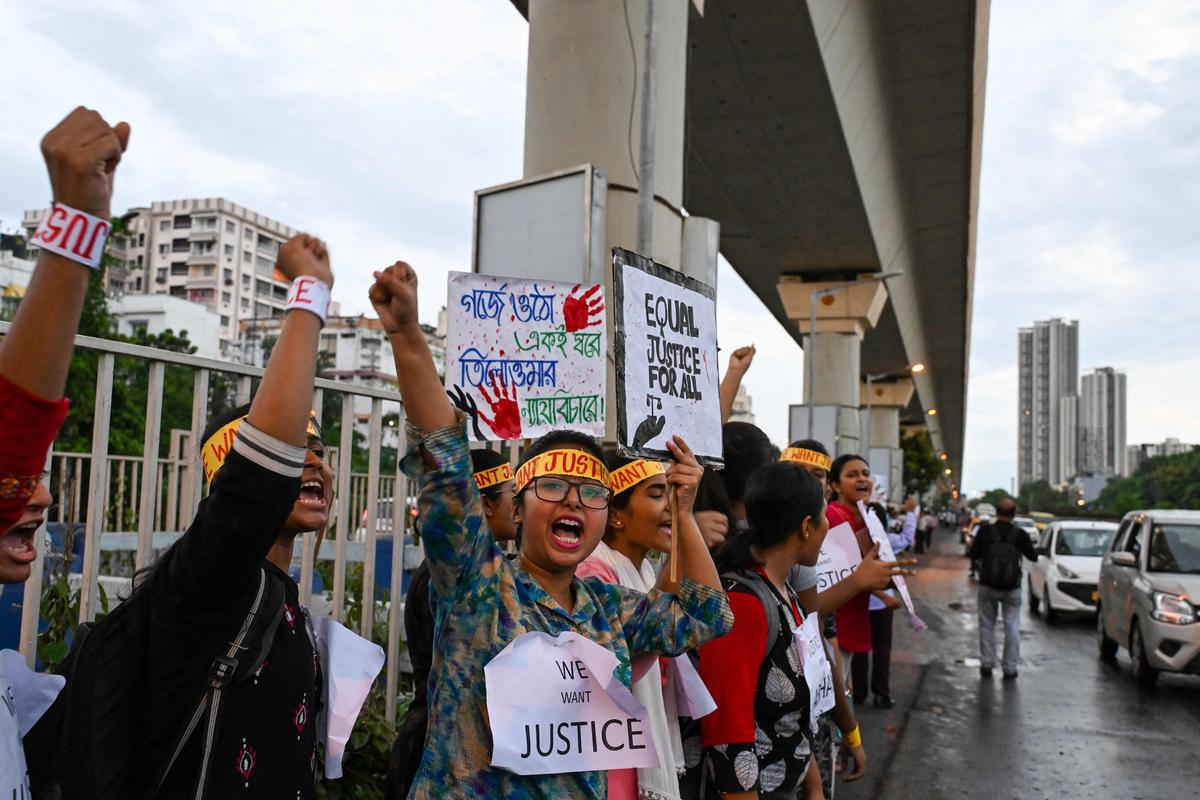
{"points": [[835, 139]]}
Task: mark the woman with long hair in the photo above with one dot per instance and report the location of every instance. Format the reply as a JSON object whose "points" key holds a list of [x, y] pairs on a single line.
{"points": [[850, 481], [759, 738], [482, 601]]}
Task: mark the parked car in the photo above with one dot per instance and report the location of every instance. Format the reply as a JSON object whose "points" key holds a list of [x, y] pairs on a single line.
{"points": [[1149, 587], [1041, 519], [1066, 575]]}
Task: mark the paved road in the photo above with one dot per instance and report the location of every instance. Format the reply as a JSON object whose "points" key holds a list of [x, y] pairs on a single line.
{"points": [[1071, 726]]}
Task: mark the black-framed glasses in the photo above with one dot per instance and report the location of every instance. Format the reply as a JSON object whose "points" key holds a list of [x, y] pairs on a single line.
{"points": [[553, 489]]}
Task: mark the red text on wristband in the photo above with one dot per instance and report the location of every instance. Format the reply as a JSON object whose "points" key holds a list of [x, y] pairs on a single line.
{"points": [[73, 234], [310, 294]]}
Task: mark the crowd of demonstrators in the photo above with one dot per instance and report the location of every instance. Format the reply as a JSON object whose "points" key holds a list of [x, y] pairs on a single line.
{"points": [[996, 554], [223, 682], [482, 601]]}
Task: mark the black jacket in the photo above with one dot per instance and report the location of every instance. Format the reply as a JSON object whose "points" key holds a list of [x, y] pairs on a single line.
{"points": [[986, 535]]}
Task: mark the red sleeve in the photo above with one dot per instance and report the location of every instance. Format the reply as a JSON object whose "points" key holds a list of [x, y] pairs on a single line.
{"points": [[28, 425], [730, 666]]}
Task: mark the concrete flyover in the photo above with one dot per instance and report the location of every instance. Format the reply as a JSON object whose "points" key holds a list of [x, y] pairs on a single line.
{"points": [[836, 139]]}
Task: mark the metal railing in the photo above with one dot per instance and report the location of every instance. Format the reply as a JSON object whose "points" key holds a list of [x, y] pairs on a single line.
{"points": [[122, 510]]}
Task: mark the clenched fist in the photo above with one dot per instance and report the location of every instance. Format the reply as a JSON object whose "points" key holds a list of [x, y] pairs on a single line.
{"points": [[304, 255], [82, 153], [394, 296]]}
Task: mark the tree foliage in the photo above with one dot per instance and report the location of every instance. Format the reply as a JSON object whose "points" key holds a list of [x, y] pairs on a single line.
{"points": [[921, 466], [1161, 482], [1041, 496]]}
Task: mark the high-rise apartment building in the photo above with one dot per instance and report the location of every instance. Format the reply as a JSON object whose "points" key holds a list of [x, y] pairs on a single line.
{"points": [[206, 250], [1049, 374], [1102, 422]]}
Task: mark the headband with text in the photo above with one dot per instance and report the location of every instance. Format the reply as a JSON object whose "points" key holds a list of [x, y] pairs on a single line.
{"points": [[633, 473], [216, 448], [487, 478], [571, 463], [811, 458]]}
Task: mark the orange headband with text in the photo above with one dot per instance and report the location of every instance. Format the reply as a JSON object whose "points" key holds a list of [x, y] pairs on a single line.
{"points": [[217, 446], [571, 463], [812, 458], [633, 473], [487, 478]]}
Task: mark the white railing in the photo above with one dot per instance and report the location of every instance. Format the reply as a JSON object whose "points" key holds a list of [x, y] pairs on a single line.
{"points": [[123, 511]]}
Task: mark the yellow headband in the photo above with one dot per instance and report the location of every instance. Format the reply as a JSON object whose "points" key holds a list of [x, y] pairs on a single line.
{"points": [[633, 473], [574, 463], [487, 478], [810, 457], [216, 448]]}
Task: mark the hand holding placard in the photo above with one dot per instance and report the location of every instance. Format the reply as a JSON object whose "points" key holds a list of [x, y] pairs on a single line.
{"points": [[683, 481]]}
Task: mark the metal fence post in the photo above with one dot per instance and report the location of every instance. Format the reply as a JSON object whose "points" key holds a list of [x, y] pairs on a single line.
{"points": [[396, 608], [342, 528], [368, 582], [97, 470], [149, 487]]}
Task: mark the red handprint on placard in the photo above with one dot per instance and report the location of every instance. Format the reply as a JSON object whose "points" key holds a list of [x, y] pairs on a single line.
{"points": [[578, 311], [506, 416]]}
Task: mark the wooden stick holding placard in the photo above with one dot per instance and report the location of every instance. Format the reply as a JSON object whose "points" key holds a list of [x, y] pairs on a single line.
{"points": [[674, 501]]}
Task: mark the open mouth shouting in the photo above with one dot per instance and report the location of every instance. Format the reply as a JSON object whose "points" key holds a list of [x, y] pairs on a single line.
{"points": [[17, 542], [312, 494], [567, 532]]}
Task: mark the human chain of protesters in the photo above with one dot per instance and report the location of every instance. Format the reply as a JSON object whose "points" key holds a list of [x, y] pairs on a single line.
{"points": [[583, 666]]}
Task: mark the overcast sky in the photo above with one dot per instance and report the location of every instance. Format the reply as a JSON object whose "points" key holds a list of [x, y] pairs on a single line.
{"points": [[374, 129]]}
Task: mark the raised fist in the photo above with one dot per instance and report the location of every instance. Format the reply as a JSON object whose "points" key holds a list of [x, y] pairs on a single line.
{"points": [[394, 296], [82, 153], [741, 359], [305, 256]]}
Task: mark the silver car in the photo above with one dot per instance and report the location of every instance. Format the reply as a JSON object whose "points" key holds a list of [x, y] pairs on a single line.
{"points": [[1149, 589]]}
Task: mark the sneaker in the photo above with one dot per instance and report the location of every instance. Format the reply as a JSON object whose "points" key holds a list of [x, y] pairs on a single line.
{"points": [[1010, 675], [985, 672], [884, 701]]}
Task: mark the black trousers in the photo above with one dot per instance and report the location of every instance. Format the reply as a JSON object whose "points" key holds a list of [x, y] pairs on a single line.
{"points": [[878, 663]]}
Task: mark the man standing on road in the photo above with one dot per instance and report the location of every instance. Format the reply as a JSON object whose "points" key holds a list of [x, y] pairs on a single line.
{"points": [[997, 551]]}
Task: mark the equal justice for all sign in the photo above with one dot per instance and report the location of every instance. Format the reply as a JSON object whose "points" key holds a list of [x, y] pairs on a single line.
{"points": [[665, 350], [525, 357]]}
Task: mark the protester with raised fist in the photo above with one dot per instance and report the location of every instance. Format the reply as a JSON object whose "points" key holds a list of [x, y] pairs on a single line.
{"points": [[739, 363], [81, 154], [483, 602], [494, 479], [210, 671]]}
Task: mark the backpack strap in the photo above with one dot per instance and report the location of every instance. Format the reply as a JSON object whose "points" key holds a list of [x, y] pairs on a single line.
{"points": [[756, 587]]}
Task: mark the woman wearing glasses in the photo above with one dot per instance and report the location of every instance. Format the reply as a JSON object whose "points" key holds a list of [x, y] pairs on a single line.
{"points": [[482, 601]]}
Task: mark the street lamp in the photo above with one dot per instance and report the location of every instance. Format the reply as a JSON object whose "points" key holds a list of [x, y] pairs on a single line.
{"points": [[809, 362]]}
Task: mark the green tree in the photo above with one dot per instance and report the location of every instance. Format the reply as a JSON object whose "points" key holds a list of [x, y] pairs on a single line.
{"points": [[994, 496], [921, 466], [1041, 496], [1161, 482]]}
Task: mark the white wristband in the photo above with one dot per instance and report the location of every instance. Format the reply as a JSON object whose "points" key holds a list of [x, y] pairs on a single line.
{"points": [[310, 294], [73, 234]]}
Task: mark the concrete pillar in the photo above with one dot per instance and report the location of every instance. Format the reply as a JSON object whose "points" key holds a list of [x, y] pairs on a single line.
{"points": [[881, 407], [583, 90], [845, 311]]}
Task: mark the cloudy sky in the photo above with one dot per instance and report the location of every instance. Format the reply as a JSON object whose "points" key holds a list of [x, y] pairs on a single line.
{"points": [[375, 128]]}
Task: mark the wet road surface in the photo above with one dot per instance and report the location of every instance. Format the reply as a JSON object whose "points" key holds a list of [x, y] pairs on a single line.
{"points": [[1071, 726]]}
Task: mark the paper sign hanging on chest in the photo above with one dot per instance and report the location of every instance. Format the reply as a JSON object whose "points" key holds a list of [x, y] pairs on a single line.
{"points": [[525, 357], [817, 673], [839, 556], [665, 348], [555, 706]]}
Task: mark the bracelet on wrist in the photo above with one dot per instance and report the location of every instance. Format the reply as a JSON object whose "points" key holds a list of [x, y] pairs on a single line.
{"points": [[853, 738], [309, 294], [73, 234]]}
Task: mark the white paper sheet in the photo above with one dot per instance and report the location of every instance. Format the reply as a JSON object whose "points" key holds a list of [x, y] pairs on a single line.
{"points": [[839, 556], [692, 697], [878, 534], [555, 706], [32, 692], [351, 665], [817, 674]]}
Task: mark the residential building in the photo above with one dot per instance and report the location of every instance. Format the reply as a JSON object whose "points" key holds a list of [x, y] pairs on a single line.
{"points": [[1138, 454], [1102, 422], [743, 407], [206, 250], [157, 313], [1049, 372], [15, 273]]}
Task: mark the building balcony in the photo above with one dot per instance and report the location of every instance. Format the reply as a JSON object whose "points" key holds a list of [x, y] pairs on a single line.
{"points": [[203, 258], [202, 235]]}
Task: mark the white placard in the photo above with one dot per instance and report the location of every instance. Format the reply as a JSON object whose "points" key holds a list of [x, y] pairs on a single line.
{"points": [[839, 557], [555, 706], [351, 666], [817, 673], [666, 359], [692, 697], [525, 357], [879, 535]]}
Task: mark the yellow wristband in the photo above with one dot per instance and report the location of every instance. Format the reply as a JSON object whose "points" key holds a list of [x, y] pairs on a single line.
{"points": [[853, 738]]}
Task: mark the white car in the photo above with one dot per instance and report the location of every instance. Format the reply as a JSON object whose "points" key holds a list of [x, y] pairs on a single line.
{"points": [[1066, 574]]}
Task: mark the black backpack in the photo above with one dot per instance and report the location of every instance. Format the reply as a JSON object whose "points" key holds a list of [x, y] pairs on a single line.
{"points": [[85, 746], [1001, 563]]}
